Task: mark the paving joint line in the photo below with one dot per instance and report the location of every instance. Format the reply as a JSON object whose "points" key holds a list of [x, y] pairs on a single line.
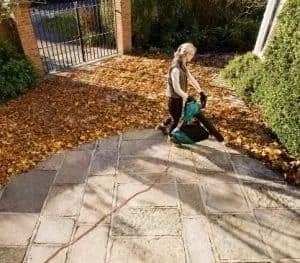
{"points": [[36, 227], [76, 222]]}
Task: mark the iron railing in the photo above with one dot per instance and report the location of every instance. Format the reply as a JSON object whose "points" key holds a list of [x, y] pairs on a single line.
{"points": [[75, 32]]}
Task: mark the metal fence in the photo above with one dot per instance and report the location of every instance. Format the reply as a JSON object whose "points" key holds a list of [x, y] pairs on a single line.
{"points": [[75, 32]]}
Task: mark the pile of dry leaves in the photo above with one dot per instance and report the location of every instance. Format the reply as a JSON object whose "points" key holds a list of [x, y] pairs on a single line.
{"points": [[122, 94]]}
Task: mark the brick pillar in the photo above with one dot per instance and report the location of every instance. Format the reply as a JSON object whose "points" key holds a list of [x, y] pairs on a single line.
{"points": [[27, 37], [123, 22]]}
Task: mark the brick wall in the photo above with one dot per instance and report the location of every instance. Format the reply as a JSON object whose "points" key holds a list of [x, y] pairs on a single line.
{"points": [[123, 22], [27, 37], [9, 33]]}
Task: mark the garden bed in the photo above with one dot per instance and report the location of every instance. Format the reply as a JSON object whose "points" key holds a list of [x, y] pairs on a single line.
{"points": [[123, 94]]}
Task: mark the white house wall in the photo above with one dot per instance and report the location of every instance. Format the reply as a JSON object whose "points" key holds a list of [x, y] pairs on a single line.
{"points": [[267, 26]]}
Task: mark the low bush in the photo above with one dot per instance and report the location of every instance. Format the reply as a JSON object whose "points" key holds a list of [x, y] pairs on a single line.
{"points": [[16, 72]]}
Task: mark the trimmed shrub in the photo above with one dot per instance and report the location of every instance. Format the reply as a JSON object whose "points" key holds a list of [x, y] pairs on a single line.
{"points": [[16, 72], [243, 73], [274, 83]]}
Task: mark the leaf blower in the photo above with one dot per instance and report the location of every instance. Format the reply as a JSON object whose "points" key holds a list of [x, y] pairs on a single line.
{"points": [[194, 126]]}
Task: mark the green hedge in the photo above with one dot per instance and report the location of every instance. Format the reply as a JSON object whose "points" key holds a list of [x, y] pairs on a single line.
{"points": [[274, 82], [16, 72], [216, 25]]}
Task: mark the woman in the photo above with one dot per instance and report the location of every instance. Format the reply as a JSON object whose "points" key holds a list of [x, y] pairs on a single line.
{"points": [[178, 79]]}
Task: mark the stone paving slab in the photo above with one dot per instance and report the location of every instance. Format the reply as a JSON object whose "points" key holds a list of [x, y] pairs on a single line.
{"points": [[54, 230], [104, 163], [64, 200], [216, 177], [147, 250], [206, 163], [98, 199], [191, 199], [39, 254], [184, 173], [108, 145], [197, 239], [211, 155], [161, 195], [237, 237], [52, 163], [209, 145], [146, 222], [272, 195], [75, 168], [27, 192], [87, 147], [145, 134], [225, 198], [182, 167], [12, 254], [180, 154], [152, 148], [92, 247], [250, 169], [16, 229], [162, 178], [280, 230], [141, 165]]}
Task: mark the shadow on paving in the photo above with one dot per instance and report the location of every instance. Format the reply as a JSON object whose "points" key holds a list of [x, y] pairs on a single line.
{"points": [[63, 120], [224, 223]]}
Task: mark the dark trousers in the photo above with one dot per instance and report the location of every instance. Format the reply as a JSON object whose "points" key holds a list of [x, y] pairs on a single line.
{"points": [[175, 110]]}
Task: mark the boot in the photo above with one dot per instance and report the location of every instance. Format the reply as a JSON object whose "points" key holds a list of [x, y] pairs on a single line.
{"points": [[162, 128]]}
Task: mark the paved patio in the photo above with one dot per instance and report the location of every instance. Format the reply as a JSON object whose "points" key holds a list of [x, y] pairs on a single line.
{"points": [[211, 204]]}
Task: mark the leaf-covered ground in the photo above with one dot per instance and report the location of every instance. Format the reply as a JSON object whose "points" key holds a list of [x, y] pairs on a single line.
{"points": [[123, 94]]}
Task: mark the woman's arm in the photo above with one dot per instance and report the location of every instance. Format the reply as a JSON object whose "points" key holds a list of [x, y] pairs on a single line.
{"points": [[193, 81]]}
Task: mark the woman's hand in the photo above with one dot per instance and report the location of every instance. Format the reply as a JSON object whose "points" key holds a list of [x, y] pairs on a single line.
{"points": [[203, 99]]}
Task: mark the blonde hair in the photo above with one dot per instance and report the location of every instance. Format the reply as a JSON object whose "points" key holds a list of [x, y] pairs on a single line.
{"points": [[184, 49]]}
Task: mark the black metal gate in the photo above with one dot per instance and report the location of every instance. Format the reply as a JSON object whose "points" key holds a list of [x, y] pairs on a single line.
{"points": [[74, 32]]}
